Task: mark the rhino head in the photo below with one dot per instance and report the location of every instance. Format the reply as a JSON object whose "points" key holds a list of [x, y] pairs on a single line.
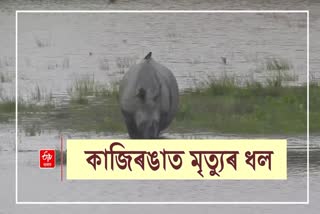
{"points": [[147, 117]]}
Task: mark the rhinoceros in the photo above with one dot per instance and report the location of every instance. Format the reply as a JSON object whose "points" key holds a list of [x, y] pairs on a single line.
{"points": [[149, 97]]}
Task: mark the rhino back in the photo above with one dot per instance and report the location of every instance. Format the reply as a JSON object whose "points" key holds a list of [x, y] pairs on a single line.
{"points": [[126, 87]]}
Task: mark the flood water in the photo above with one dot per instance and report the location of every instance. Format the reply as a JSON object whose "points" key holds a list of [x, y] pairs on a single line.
{"points": [[60, 48], [53, 55], [55, 50], [30, 176], [293, 189]]}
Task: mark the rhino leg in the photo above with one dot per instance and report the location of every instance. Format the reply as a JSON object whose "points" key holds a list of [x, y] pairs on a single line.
{"points": [[131, 125], [163, 121]]}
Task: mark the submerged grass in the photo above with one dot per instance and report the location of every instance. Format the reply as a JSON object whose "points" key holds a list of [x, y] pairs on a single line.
{"points": [[93, 107], [98, 115], [86, 88]]}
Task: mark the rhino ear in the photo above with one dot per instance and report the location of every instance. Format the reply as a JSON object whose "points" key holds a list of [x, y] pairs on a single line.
{"points": [[141, 93]]}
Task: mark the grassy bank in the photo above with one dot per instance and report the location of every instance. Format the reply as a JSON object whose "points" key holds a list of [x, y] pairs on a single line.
{"points": [[253, 108], [220, 105]]}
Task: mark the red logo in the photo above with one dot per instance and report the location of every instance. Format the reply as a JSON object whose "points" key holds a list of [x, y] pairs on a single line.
{"points": [[47, 158]]}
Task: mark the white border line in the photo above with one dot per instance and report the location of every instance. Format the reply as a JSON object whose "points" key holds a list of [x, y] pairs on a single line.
{"points": [[16, 107], [308, 109], [165, 11], [162, 11], [165, 202]]}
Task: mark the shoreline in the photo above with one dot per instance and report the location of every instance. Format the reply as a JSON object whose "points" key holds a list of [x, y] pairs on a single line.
{"points": [[218, 106]]}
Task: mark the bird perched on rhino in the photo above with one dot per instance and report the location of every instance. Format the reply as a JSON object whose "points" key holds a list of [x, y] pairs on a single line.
{"points": [[149, 98]]}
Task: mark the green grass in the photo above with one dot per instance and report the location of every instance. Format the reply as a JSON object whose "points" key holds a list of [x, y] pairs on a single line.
{"points": [[220, 105], [314, 100], [7, 109], [225, 107], [8, 106]]}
